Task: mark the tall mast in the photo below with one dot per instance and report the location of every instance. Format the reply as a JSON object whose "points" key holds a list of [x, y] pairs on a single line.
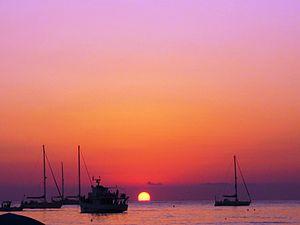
{"points": [[235, 178], [44, 172], [79, 184], [62, 181]]}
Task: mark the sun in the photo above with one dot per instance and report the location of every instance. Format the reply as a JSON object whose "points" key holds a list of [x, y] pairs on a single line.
{"points": [[144, 197]]}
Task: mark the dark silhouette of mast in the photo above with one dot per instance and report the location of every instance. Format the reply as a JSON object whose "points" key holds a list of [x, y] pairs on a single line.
{"points": [[235, 179], [79, 183], [62, 181], [44, 172]]}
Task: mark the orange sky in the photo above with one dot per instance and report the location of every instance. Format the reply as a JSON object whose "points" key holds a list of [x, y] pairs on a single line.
{"points": [[152, 91]]}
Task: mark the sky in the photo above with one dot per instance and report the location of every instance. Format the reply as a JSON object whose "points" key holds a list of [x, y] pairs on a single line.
{"points": [[160, 91]]}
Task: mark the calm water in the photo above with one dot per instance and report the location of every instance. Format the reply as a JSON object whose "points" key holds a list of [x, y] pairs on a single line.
{"points": [[287, 212]]}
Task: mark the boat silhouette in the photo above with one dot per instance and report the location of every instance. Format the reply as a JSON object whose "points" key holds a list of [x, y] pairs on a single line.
{"points": [[40, 202], [7, 207], [233, 200], [103, 200]]}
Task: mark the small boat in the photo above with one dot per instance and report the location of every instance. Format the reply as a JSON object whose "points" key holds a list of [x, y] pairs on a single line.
{"points": [[6, 207], [41, 202], [103, 200], [233, 200]]}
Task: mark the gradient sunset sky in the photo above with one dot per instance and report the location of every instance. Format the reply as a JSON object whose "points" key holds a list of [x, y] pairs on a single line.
{"points": [[161, 91]]}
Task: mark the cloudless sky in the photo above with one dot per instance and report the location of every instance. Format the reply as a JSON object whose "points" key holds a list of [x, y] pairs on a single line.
{"points": [[162, 91]]}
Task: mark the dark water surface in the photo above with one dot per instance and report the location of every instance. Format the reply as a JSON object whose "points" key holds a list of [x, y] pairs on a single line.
{"points": [[185, 212]]}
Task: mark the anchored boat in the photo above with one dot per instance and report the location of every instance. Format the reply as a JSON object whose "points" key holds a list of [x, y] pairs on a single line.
{"points": [[103, 200], [40, 202], [233, 200], [7, 207]]}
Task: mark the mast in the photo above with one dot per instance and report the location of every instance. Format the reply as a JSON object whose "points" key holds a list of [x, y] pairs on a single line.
{"points": [[62, 181], [79, 183], [44, 172], [235, 179]]}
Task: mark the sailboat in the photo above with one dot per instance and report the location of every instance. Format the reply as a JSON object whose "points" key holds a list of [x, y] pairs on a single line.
{"points": [[233, 200], [71, 200], [40, 202]]}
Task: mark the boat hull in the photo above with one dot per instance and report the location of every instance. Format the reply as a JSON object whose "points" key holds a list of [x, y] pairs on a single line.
{"points": [[102, 208], [41, 205], [232, 203], [70, 202]]}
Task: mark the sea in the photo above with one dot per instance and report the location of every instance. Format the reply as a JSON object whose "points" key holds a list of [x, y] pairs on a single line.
{"points": [[176, 212]]}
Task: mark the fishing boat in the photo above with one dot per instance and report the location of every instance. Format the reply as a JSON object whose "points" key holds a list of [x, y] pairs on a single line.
{"points": [[233, 200], [40, 202], [103, 200], [7, 207]]}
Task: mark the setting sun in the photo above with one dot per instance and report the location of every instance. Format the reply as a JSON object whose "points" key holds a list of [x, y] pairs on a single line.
{"points": [[144, 197]]}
